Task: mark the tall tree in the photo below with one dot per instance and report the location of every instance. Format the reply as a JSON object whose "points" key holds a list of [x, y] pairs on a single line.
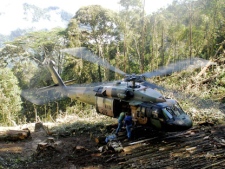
{"points": [[98, 30], [132, 26]]}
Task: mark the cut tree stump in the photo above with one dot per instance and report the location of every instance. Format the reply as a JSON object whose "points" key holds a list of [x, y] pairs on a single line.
{"points": [[40, 127], [14, 135], [48, 146]]}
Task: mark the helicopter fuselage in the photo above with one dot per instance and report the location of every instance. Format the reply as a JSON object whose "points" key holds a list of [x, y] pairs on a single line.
{"points": [[148, 106]]}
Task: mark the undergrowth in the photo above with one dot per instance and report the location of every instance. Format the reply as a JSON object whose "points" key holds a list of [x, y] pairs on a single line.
{"points": [[82, 121]]}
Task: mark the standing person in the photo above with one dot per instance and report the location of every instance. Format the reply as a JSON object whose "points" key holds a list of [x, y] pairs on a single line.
{"points": [[128, 124], [120, 122]]}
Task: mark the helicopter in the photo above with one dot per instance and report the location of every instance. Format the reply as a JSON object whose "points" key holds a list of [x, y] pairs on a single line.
{"points": [[148, 106]]}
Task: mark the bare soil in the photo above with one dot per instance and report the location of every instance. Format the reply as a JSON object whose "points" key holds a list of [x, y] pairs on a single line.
{"points": [[203, 146]]}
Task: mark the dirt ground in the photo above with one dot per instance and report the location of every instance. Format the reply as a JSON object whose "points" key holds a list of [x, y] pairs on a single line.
{"points": [[203, 146]]}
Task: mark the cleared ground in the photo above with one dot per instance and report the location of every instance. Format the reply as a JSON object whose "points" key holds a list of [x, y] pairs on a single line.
{"points": [[201, 147]]}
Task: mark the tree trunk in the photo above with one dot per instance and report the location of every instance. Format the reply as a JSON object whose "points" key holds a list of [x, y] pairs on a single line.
{"points": [[99, 73], [142, 39], [162, 48], [125, 52], [190, 33]]}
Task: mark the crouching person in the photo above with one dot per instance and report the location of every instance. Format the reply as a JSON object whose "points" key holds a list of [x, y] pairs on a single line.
{"points": [[120, 122]]}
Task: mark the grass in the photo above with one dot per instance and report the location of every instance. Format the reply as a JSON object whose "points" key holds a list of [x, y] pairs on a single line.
{"points": [[86, 121]]}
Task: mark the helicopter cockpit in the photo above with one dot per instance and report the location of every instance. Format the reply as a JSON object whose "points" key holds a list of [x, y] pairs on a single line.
{"points": [[171, 111], [167, 116]]}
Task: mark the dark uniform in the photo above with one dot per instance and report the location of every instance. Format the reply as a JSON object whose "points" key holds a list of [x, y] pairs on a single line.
{"points": [[128, 124]]}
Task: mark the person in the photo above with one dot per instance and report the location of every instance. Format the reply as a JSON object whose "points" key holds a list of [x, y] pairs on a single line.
{"points": [[120, 122], [128, 124]]}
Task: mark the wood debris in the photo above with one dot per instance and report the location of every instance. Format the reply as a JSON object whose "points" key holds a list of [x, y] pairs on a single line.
{"points": [[112, 145], [200, 147], [79, 149], [48, 146]]}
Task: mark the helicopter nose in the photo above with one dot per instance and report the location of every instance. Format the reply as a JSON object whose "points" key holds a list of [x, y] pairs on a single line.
{"points": [[182, 122]]}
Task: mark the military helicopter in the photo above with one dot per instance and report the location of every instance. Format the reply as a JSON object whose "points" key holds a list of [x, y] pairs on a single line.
{"points": [[147, 105]]}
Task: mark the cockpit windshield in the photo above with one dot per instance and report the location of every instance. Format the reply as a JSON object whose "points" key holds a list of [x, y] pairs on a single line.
{"points": [[174, 110], [177, 106]]}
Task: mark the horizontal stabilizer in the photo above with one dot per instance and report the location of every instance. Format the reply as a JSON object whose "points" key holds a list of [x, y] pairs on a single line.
{"points": [[55, 76]]}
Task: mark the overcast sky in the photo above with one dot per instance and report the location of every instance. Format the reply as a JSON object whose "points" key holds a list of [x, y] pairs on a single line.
{"points": [[11, 10]]}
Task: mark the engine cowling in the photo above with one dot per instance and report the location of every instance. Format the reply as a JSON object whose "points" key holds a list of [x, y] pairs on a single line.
{"points": [[114, 92]]}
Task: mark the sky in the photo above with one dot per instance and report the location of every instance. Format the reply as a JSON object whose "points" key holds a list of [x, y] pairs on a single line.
{"points": [[12, 10]]}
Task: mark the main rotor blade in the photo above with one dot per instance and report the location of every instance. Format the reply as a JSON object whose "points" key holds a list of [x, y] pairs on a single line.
{"points": [[192, 63], [87, 55], [152, 85], [43, 95]]}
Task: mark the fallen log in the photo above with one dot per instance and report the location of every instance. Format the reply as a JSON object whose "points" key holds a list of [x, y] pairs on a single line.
{"points": [[209, 79], [14, 135], [211, 61]]}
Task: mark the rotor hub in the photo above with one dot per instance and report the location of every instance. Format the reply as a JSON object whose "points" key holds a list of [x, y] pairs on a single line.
{"points": [[134, 78]]}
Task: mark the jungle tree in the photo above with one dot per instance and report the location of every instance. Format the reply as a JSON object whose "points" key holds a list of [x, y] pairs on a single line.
{"points": [[98, 31]]}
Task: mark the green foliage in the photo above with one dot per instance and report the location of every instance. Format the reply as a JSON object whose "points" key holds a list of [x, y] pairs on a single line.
{"points": [[129, 40], [10, 101], [98, 24], [80, 71], [130, 3], [24, 71], [45, 43], [73, 34], [98, 32]]}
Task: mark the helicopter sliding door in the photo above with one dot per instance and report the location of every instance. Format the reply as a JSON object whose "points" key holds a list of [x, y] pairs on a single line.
{"points": [[119, 106], [104, 106], [111, 107]]}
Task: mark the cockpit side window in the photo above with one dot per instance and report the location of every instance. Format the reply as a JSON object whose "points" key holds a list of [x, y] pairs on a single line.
{"points": [[149, 111], [167, 114], [142, 113], [157, 113]]}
